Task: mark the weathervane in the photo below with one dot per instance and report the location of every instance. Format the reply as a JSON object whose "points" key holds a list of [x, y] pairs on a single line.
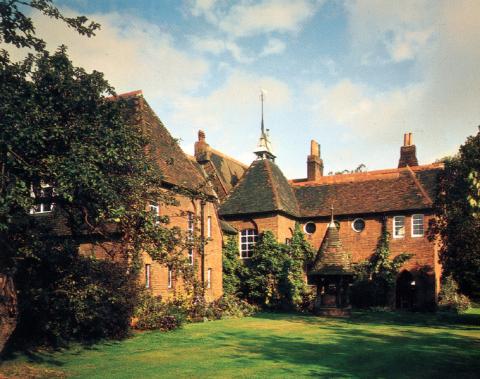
{"points": [[262, 99], [264, 150]]}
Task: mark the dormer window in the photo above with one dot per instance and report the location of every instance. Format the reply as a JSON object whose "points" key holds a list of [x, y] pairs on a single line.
{"points": [[45, 195]]}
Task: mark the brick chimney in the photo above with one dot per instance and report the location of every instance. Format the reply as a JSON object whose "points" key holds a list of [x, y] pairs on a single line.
{"points": [[314, 162], [202, 149], [408, 152]]}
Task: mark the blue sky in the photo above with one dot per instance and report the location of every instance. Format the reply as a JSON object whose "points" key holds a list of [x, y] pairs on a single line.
{"points": [[353, 75]]}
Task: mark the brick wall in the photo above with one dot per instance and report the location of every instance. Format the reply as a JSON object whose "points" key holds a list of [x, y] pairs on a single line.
{"points": [[423, 265], [159, 277]]}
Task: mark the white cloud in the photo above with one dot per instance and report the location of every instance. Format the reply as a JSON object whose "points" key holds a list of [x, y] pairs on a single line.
{"points": [[218, 46], [133, 54], [230, 110], [247, 19], [273, 46], [441, 108], [401, 28]]}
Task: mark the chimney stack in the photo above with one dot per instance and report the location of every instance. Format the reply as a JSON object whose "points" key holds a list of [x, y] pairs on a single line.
{"points": [[202, 148], [314, 162], [408, 152]]}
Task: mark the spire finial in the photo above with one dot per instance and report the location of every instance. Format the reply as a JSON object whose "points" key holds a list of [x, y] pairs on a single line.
{"points": [[262, 99], [332, 221], [264, 150]]}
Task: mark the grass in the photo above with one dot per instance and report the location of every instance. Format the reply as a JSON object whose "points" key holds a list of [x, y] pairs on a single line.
{"points": [[367, 345]]}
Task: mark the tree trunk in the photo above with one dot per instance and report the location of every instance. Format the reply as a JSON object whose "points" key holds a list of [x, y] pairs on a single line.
{"points": [[8, 309]]}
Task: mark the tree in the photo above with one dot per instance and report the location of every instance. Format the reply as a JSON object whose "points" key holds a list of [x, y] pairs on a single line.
{"points": [[293, 286], [263, 271], [457, 207], [59, 127], [275, 275], [231, 267]]}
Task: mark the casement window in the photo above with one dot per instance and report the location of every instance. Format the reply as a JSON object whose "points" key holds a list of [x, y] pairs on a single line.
{"points": [[190, 231], [398, 226], [154, 209], [248, 239], [209, 227], [417, 225], [147, 276], [169, 278], [45, 194], [209, 278]]}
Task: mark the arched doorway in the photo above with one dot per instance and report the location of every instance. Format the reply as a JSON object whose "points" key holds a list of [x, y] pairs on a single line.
{"points": [[405, 290]]}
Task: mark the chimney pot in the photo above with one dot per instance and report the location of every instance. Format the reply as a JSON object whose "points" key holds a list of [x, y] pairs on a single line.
{"points": [[314, 148], [408, 152], [202, 149], [314, 162]]}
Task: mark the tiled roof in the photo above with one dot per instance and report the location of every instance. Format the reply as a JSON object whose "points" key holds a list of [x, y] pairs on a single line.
{"points": [[175, 166], [371, 192], [263, 188], [229, 170], [227, 228], [331, 259]]}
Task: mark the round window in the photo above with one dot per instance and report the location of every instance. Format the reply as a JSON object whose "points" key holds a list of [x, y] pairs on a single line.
{"points": [[310, 228], [358, 225]]}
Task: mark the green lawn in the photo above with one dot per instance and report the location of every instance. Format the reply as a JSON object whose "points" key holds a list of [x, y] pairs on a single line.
{"points": [[367, 345]]}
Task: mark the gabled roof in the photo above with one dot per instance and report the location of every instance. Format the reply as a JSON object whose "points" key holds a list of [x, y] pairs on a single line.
{"points": [[229, 170], [174, 164], [263, 188], [331, 259], [371, 192]]}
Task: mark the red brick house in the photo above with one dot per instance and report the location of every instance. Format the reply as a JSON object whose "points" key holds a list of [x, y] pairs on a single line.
{"points": [[400, 198], [195, 215]]}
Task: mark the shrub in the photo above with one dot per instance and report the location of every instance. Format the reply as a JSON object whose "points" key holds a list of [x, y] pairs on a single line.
{"points": [[154, 314], [450, 299], [64, 296], [230, 306]]}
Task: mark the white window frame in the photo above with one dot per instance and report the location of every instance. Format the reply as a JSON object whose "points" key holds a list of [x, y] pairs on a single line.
{"points": [[42, 207], [148, 276], [248, 239], [190, 233], [209, 278], [394, 221], [413, 224], [209, 227], [155, 208], [169, 278], [305, 228]]}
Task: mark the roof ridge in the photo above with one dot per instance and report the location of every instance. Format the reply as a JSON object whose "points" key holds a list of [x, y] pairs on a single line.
{"points": [[362, 176], [274, 189], [419, 185]]}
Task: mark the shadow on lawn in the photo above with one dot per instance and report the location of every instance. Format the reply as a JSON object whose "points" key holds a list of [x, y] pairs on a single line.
{"points": [[342, 349], [437, 320]]}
